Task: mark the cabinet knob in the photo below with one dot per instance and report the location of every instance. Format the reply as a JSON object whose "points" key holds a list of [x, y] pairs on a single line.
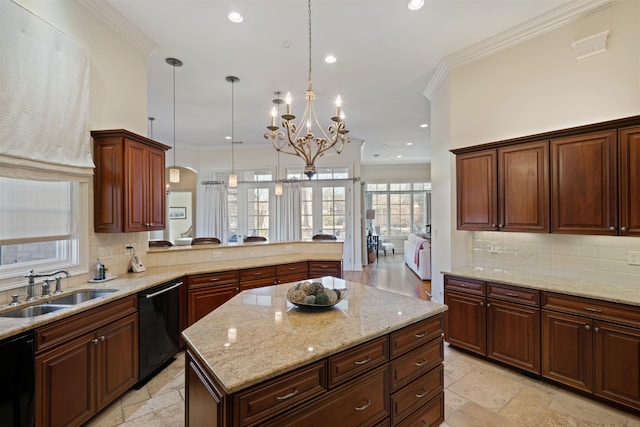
{"points": [[94, 341], [481, 303], [596, 329], [623, 229], [500, 226], [587, 327], [493, 225], [488, 304], [612, 228]]}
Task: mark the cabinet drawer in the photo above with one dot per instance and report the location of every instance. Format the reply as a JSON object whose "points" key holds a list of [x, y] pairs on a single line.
{"points": [[617, 313], [468, 286], [258, 283], [283, 393], [325, 268], [515, 294], [416, 394], [290, 278], [363, 402], [416, 363], [354, 362], [221, 278], [432, 414], [417, 334], [293, 268], [66, 329], [258, 273]]}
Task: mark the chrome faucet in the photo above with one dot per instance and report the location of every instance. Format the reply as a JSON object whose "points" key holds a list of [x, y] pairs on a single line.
{"points": [[32, 275]]}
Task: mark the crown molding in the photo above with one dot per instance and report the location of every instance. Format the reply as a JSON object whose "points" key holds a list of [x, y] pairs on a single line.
{"points": [[114, 19], [530, 29]]}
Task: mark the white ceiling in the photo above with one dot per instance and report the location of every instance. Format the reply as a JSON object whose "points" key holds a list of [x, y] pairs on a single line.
{"points": [[386, 54]]}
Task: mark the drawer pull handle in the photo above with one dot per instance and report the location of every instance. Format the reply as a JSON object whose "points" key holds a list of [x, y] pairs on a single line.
{"points": [[292, 268], [324, 266], [363, 407], [511, 294], [362, 362], [214, 279], [288, 396], [418, 364], [422, 335], [257, 274], [595, 310], [462, 285], [423, 394]]}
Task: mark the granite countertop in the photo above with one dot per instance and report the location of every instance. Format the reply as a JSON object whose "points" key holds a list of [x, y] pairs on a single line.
{"points": [[623, 294], [132, 283], [258, 334]]}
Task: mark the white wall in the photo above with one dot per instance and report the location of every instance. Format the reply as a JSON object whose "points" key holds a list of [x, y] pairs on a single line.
{"points": [[419, 172], [530, 88]]}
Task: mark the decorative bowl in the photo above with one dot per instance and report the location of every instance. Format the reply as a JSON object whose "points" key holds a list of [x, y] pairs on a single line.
{"points": [[314, 296]]}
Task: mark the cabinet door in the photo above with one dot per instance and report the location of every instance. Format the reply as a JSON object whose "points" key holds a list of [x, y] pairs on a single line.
{"points": [[630, 181], [117, 359], [477, 188], [583, 184], [136, 182], [65, 383], [108, 189], [325, 268], [513, 334], [523, 187], [156, 190], [567, 350], [617, 363], [465, 324], [204, 300]]}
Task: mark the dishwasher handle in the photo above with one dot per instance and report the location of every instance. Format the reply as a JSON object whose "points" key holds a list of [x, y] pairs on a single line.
{"points": [[155, 294]]}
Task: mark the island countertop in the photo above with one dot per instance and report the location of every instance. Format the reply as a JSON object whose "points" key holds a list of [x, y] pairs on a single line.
{"points": [[258, 334]]}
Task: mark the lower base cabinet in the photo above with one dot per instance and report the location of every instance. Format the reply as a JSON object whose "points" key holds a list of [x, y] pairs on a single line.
{"points": [[394, 380], [78, 376]]}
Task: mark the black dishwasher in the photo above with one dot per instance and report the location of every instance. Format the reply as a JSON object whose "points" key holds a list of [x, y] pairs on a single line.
{"points": [[159, 328], [17, 381]]}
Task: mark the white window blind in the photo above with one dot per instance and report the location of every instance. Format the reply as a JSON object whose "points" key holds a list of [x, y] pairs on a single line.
{"points": [[35, 210], [44, 107]]}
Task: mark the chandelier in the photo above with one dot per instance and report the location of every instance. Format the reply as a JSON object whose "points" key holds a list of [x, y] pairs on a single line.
{"points": [[299, 140]]}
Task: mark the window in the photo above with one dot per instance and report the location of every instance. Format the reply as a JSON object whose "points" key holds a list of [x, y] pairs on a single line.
{"points": [[39, 222], [334, 211], [258, 212], [400, 208], [248, 206], [306, 212]]}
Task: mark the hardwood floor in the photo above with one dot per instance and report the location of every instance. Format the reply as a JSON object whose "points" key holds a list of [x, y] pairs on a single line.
{"points": [[392, 274]]}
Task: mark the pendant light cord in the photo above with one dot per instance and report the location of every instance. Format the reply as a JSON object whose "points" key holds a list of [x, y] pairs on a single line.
{"points": [[174, 116], [232, 129], [309, 7]]}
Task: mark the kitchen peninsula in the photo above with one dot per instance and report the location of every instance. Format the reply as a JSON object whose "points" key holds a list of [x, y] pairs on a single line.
{"points": [[373, 359]]}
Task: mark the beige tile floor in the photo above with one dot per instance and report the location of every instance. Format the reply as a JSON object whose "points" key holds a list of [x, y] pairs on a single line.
{"points": [[477, 393]]}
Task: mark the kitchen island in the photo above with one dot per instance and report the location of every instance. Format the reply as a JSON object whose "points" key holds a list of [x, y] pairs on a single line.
{"points": [[373, 359]]}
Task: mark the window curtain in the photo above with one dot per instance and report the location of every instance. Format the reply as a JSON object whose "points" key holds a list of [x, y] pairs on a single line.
{"points": [[215, 212], [289, 226], [44, 107]]}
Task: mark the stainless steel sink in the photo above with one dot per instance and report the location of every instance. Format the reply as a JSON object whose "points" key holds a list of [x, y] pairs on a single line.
{"points": [[81, 296], [34, 310]]}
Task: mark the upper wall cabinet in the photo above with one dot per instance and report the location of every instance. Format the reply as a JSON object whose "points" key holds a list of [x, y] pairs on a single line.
{"points": [[629, 169], [583, 180], [504, 189], [129, 184], [583, 176]]}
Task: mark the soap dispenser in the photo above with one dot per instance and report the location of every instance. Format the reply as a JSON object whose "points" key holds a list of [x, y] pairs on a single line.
{"points": [[98, 270]]}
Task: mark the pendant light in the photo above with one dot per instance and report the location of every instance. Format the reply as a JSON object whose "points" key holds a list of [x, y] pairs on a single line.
{"points": [[233, 178], [174, 172]]}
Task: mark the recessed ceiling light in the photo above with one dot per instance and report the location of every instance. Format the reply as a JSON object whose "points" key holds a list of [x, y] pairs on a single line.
{"points": [[235, 17], [415, 4], [409, 143], [424, 125], [330, 59], [399, 156], [227, 137]]}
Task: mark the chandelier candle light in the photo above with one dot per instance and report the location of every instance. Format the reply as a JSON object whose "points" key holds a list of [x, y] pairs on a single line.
{"points": [[174, 172], [300, 140]]}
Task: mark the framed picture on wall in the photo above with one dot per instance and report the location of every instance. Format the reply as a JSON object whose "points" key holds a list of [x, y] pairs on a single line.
{"points": [[178, 212]]}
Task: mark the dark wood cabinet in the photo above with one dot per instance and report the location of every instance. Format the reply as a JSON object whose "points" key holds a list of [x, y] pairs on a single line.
{"points": [[498, 321], [592, 346], [258, 277], [85, 362], [477, 190], [325, 268], [584, 184], [504, 189], [629, 190], [466, 325], [396, 379], [129, 183]]}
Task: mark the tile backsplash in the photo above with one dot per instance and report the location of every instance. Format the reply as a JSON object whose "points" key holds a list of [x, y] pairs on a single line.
{"points": [[594, 258]]}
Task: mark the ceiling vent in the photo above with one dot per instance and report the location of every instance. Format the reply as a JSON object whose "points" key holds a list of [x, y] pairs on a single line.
{"points": [[591, 45]]}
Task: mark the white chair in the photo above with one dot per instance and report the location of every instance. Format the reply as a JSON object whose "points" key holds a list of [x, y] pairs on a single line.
{"points": [[388, 246]]}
